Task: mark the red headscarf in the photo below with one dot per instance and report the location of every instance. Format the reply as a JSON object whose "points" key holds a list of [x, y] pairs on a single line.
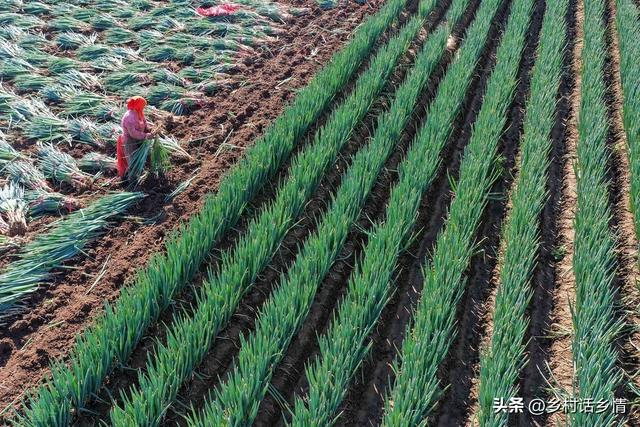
{"points": [[137, 104]]}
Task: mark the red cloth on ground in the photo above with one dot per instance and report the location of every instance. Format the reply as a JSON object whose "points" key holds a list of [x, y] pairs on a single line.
{"points": [[220, 10]]}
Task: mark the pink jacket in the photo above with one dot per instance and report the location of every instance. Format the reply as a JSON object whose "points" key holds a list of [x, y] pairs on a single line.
{"points": [[133, 131]]}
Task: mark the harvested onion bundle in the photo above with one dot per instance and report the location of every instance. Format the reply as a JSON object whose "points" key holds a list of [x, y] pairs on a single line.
{"points": [[14, 208], [61, 167], [24, 173], [43, 203]]}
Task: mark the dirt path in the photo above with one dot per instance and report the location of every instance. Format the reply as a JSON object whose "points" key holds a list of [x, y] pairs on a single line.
{"points": [[231, 121]]}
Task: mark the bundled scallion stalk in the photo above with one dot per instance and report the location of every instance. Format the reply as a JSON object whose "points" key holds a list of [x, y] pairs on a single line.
{"points": [[7, 98], [34, 42], [14, 208], [142, 4], [11, 17], [32, 82], [172, 146], [109, 63], [158, 151], [97, 162], [120, 80], [163, 91], [37, 58], [35, 8], [119, 35], [60, 65], [89, 104], [57, 93], [196, 75], [80, 79], [109, 131], [140, 66], [45, 203], [60, 166], [182, 106], [159, 157], [68, 23], [127, 53], [24, 173], [103, 22], [108, 111], [26, 22], [10, 50], [170, 24], [136, 172], [163, 53], [135, 90], [47, 128], [7, 152], [10, 6], [166, 76], [83, 14], [150, 39], [10, 31], [111, 6], [70, 40], [10, 68], [142, 22], [22, 109], [86, 131]]}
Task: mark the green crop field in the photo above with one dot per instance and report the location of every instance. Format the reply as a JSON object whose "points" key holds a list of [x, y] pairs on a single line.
{"points": [[393, 213]]}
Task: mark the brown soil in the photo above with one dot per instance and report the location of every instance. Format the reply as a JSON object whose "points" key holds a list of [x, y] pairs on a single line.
{"points": [[216, 136]]}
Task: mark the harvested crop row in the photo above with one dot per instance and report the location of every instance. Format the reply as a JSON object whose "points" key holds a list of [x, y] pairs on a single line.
{"points": [[342, 348], [118, 331], [236, 402], [124, 46], [65, 240], [416, 389], [594, 322], [500, 367], [627, 17], [190, 339]]}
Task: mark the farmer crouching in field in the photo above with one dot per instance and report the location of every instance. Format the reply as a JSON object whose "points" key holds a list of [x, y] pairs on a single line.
{"points": [[134, 130]]}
